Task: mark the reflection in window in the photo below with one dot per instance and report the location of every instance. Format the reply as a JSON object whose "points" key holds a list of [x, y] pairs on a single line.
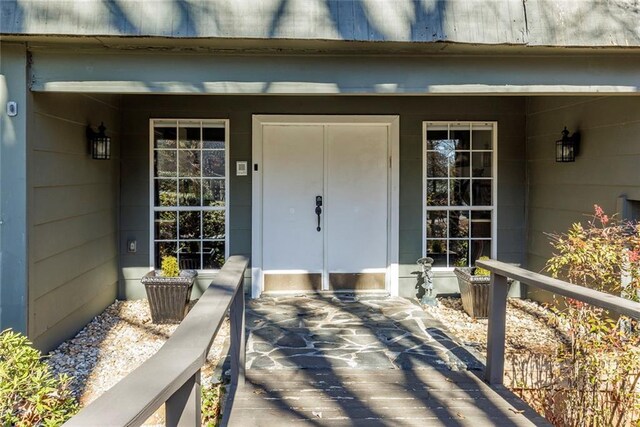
{"points": [[459, 198], [189, 192], [436, 224], [437, 192]]}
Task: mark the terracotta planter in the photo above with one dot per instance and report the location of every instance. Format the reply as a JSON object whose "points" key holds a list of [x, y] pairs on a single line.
{"points": [[169, 296], [474, 291]]}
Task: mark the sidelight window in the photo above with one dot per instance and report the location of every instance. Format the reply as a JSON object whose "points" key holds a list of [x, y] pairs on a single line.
{"points": [[189, 191], [459, 192]]}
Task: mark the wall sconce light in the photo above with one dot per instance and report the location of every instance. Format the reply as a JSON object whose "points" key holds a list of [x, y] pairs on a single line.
{"points": [[567, 148], [99, 142]]}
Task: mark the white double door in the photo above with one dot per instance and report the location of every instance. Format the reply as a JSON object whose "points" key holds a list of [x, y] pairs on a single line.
{"points": [[325, 205]]}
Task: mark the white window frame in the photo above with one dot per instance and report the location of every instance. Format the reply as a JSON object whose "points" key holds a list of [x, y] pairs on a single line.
{"points": [[153, 209], [494, 188]]}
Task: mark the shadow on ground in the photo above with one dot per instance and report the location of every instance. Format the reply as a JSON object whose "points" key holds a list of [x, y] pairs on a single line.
{"points": [[323, 360]]}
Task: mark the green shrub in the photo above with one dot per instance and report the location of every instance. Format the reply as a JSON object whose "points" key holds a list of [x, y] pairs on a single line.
{"points": [[170, 266], [211, 404], [30, 395], [596, 382]]}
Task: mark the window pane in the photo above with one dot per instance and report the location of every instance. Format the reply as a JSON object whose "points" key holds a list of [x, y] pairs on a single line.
{"points": [[164, 137], [163, 249], [437, 249], [480, 248], [482, 140], [438, 140], [437, 164], [437, 192], [481, 164], [183, 150], [166, 194], [461, 138], [481, 224], [482, 192], [189, 192], [213, 223], [213, 254], [189, 223], [459, 224], [436, 224], [213, 138], [189, 162], [213, 163], [455, 234], [189, 255], [460, 195], [460, 167], [458, 253], [213, 192], [165, 164], [189, 137], [166, 225]]}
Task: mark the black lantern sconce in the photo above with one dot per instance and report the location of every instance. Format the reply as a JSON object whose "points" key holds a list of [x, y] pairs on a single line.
{"points": [[99, 143], [567, 148]]}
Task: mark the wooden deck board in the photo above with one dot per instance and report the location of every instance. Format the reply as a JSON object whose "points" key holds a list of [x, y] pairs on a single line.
{"points": [[389, 397]]}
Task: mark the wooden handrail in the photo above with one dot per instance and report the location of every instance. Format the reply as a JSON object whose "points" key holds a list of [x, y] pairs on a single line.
{"points": [[172, 375], [500, 272]]}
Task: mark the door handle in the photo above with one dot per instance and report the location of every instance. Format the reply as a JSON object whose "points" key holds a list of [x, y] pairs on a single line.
{"points": [[318, 210]]}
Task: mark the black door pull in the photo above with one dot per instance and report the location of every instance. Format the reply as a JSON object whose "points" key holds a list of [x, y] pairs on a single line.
{"points": [[318, 210]]}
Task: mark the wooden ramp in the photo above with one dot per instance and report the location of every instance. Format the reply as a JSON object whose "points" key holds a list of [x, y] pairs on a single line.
{"points": [[345, 397], [379, 362]]}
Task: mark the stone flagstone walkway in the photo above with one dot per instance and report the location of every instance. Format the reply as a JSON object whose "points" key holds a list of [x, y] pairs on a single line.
{"points": [[362, 361], [349, 332]]}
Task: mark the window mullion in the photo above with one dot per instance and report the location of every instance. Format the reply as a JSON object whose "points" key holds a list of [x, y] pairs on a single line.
{"points": [[449, 183], [178, 215]]}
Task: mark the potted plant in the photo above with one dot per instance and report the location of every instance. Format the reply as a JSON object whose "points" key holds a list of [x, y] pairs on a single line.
{"points": [[169, 291], [474, 283]]}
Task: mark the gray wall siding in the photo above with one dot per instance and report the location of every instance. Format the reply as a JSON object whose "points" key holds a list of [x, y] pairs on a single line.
{"points": [[13, 188], [508, 111], [607, 167], [73, 258]]}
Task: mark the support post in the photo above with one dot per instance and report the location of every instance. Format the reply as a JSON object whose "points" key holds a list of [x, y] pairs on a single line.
{"points": [[237, 350], [184, 407], [14, 191], [494, 373]]}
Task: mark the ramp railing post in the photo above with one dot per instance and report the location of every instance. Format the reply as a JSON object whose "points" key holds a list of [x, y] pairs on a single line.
{"points": [[494, 373]]}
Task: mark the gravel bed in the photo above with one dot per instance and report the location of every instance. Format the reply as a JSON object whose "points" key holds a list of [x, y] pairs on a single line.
{"points": [[121, 338], [531, 328], [115, 343]]}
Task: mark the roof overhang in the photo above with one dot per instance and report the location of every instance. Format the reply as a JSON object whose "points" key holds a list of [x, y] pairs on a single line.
{"points": [[560, 23]]}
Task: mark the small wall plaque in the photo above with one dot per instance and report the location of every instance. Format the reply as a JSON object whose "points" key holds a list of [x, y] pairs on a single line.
{"points": [[241, 168]]}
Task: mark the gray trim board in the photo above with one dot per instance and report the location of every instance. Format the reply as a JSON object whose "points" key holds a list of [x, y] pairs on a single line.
{"points": [[114, 71]]}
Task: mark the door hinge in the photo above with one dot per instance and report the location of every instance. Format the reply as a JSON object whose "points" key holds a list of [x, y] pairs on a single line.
{"points": [[389, 162]]}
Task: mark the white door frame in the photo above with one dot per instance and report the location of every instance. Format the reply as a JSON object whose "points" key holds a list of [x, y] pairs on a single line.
{"points": [[393, 187]]}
